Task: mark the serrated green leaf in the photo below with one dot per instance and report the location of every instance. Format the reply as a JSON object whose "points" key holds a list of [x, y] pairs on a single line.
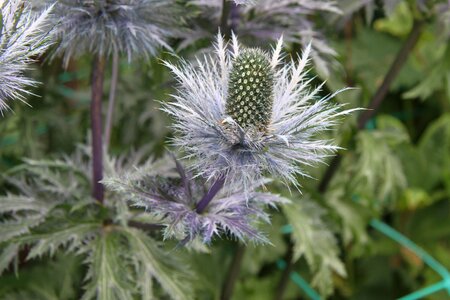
{"points": [[71, 237], [435, 147], [19, 226], [107, 279], [166, 269], [378, 175], [15, 203], [436, 79], [314, 240], [353, 217], [7, 255]]}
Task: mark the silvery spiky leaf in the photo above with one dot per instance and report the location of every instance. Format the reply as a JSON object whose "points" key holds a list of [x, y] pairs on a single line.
{"points": [[173, 199], [22, 37], [53, 211], [226, 143], [263, 21], [131, 27]]}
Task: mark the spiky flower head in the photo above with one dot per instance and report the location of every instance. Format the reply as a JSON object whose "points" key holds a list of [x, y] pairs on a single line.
{"points": [[171, 196], [22, 37], [260, 22], [244, 113], [130, 27]]}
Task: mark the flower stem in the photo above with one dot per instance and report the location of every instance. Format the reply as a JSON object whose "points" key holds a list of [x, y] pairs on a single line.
{"points": [[375, 103], [215, 188], [282, 284], [112, 98], [233, 272], [98, 71]]}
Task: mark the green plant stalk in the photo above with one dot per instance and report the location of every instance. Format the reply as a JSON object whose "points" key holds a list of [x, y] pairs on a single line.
{"points": [[98, 70], [375, 103]]}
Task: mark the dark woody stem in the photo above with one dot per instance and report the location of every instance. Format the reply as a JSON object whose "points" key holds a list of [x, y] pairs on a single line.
{"points": [[224, 18], [215, 188], [98, 71]]}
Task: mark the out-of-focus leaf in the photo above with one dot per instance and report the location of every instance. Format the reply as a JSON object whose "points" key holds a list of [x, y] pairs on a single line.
{"points": [[378, 173], [436, 79], [56, 279], [352, 216], [399, 23], [435, 147], [315, 241], [413, 199]]}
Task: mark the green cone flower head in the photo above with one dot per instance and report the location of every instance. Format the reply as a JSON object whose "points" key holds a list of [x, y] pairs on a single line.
{"points": [[250, 90]]}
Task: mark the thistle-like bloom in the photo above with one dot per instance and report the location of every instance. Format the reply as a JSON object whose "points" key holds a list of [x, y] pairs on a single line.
{"points": [[244, 112], [174, 201], [132, 27], [22, 37], [259, 22]]}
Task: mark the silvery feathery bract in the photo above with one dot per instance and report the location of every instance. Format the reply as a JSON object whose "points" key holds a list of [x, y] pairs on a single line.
{"points": [[22, 37], [243, 112], [104, 26], [171, 195]]}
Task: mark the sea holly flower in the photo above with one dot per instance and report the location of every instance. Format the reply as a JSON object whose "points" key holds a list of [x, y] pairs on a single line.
{"points": [[244, 113], [259, 22], [104, 26], [22, 37], [188, 208]]}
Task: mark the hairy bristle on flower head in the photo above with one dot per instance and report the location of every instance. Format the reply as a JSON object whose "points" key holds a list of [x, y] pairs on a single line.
{"points": [[250, 89], [102, 27], [22, 38]]}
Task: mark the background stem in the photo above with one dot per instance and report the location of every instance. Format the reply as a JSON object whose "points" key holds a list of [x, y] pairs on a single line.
{"points": [[375, 103], [284, 280], [233, 273], [112, 98], [98, 70], [224, 19]]}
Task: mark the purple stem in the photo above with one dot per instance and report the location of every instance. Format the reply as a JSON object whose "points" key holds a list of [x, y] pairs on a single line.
{"points": [[96, 127], [215, 188]]}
